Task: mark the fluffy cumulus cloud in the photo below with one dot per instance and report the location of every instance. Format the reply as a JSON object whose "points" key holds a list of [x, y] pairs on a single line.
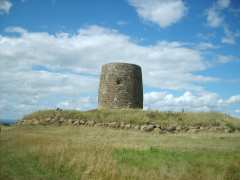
{"points": [[93, 46], [5, 6], [162, 12], [25, 90], [203, 101], [234, 100], [42, 70]]}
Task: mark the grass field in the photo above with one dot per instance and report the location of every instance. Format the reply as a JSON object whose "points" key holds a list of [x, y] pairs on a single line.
{"points": [[48, 152]]}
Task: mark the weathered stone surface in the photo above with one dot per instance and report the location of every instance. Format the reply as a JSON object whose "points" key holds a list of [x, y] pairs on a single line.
{"points": [[82, 122], [147, 128], [128, 126], [120, 86], [193, 130], [68, 122], [76, 123], [113, 125], [217, 129], [48, 119], [35, 122], [228, 130], [157, 130], [99, 124], [171, 128], [178, 128], [90, 123], [142, 127], [157, 126], [53, 120], [105, 124], [137, 127], [61, 119], [197, 127]]}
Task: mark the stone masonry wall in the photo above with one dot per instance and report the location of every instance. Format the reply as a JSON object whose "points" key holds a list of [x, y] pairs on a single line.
{"points": [[120, 86]]}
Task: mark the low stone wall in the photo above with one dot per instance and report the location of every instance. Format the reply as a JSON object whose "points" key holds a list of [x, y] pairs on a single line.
{"points": [[148, 127]]}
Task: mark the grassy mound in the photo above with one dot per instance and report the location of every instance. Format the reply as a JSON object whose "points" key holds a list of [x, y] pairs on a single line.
{"points": [[139, 117]]}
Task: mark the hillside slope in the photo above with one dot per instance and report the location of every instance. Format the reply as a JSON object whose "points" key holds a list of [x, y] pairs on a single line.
{"points": [[156, 121]]}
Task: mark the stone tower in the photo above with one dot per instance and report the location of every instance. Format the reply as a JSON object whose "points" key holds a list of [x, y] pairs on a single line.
{"points": [[120, 86]]}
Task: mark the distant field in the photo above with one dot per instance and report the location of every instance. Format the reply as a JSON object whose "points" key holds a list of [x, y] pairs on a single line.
{"points": [[45, 152]]}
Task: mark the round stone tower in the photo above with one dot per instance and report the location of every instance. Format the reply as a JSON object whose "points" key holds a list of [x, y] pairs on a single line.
{"points": [[120, 86]]}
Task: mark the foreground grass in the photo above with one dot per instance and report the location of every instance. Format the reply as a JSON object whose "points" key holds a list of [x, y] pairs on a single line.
{"points": [[38, 152]]}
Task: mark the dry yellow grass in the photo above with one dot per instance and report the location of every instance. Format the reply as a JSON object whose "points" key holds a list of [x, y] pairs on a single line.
{"points": [[96, 153]]}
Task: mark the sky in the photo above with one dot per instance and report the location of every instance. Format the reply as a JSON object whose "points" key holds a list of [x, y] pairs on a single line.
{"points": [[51, 53]]}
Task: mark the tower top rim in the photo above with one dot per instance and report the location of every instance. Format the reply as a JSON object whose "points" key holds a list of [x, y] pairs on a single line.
{"points": [[122, 63]]}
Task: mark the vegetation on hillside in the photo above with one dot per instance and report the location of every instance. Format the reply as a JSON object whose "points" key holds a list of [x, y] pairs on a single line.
{"points": [[131, 116]]}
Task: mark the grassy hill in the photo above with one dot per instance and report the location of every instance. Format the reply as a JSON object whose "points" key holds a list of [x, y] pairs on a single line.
{"points": [[65, 151], [137, 119]]}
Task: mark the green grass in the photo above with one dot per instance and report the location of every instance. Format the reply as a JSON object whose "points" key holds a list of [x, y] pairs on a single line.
{"points": [[164, 119], [25, 165], [197, 162], [48, 152]]}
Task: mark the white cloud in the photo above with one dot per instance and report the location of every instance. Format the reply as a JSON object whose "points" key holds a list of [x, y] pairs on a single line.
{"points": [[237, 111], [188, 101], [162, 12], [25, 91], [15, 30], [223, 3], [201, 101], [225, 59], [230, 37], [234, 100], [206, 46], [93, 46], [213, 17], [82, 103], [228, 40], [41, 70], [5, 6]]}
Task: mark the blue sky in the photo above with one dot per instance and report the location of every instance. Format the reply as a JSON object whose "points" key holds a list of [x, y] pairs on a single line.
{"points": [[51, 52]]}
